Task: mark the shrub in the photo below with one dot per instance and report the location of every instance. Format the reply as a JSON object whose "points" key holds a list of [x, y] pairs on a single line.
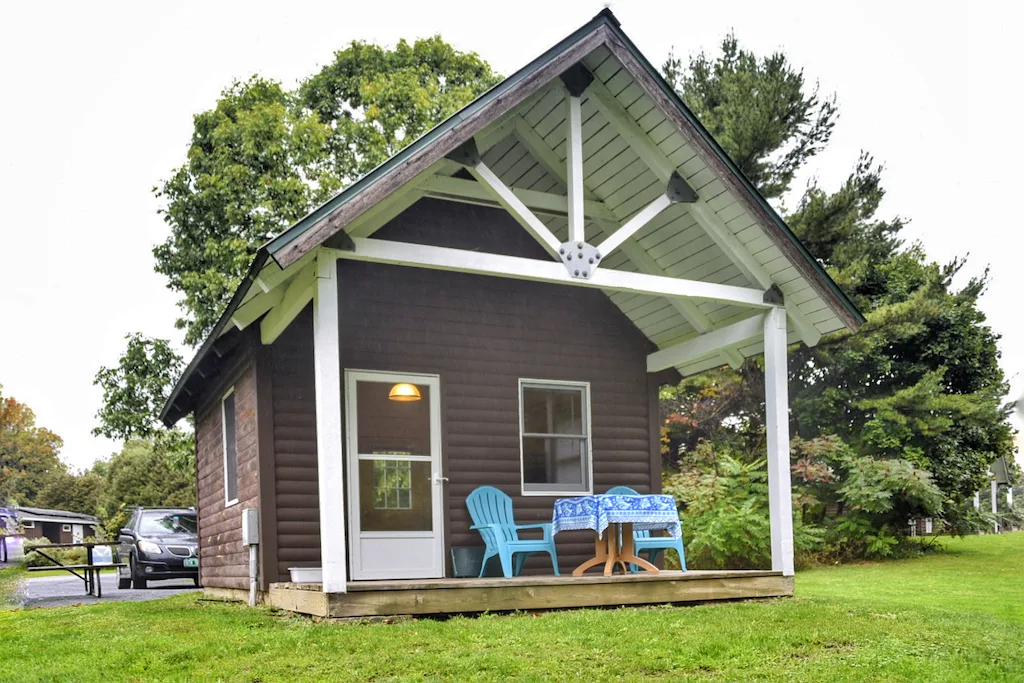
{"points": [[62, 555]]}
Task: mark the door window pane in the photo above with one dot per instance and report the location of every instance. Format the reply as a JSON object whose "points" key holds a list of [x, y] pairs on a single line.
{"points": [[555, 438], [395, 495], [387, 427]]}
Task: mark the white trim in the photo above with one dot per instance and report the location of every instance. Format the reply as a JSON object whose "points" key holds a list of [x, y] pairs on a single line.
{"points": [[352, 378], [65, 527], [706, 344], [327, 388], [472, 192], [642, 218], [776, 401], [588, 436], [27, 523], [480, 263], [299, 292], [574, 164], [228, 501], [511, 202]]}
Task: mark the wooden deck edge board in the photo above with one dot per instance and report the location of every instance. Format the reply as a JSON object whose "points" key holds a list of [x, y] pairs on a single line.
{"points": [[523, 581]]}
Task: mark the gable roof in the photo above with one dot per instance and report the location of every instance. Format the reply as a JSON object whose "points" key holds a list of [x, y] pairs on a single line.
{"points": [[47, 515], [598, 43]]}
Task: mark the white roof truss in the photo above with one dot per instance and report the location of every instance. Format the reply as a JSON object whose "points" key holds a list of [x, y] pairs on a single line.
{"points": [[607, 186]]}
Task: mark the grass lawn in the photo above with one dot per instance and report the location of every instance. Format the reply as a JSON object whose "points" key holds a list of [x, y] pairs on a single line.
{"points": [[954, 616]]}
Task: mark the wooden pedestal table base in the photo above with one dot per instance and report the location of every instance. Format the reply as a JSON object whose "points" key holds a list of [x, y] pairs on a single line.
{"points": [[607, 551]]}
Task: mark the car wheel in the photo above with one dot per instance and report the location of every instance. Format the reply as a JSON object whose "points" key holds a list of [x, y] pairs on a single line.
{"points": [[137, 581]]}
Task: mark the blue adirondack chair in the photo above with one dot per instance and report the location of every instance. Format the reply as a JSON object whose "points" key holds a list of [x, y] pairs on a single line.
{"points": [[491, 511], [643, 541]]}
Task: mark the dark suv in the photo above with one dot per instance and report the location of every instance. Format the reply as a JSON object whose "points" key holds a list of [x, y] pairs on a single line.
{"points": [[159, 543]]}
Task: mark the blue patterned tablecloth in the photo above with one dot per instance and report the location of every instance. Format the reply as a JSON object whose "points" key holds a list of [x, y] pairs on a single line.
{"points": [[597, 512]]}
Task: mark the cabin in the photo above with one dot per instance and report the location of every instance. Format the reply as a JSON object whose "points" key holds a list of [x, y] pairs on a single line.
{"points": [[496, 305], [18, 524]]}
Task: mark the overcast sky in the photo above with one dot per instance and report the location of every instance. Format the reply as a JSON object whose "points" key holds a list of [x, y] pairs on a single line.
{"points": [[99, 99]]}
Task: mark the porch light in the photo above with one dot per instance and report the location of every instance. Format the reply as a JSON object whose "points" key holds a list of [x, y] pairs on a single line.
{"points": [[404, 391]]}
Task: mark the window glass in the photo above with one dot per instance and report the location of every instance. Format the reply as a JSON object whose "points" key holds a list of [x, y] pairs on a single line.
{"points": [[555, 438], [392, 484], [163, 523], [230, 451]]}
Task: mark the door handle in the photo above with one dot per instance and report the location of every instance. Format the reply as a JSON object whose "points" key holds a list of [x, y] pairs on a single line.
{"points": [[440, 480]]}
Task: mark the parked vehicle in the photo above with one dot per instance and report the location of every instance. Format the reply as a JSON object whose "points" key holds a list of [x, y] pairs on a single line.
{"points": [[158, 543]]}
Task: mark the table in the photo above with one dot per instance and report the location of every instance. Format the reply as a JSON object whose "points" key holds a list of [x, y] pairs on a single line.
{"points": [[91, 575], [623, 513]]}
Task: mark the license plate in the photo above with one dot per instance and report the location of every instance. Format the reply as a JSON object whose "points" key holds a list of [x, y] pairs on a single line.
{"points": [[191, 562]]}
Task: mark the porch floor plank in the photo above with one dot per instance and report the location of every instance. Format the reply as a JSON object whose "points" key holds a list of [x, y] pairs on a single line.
{"points": [[451, 596]]}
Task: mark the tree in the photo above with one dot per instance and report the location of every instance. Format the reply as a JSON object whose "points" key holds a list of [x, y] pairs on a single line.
{"points": [[75, 493], [28, 454], [264, 156], [135, 390], [142, 475], [919, 387], [758, 109]]}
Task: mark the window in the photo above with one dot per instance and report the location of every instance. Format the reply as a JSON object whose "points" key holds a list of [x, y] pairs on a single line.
{"points": [[230, 450], [28, 524], [554, 427], [392, 485], [165, 523], [65, 527]]}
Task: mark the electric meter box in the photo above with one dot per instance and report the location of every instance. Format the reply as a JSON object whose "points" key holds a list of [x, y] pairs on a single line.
{"points": [[250, 527]]}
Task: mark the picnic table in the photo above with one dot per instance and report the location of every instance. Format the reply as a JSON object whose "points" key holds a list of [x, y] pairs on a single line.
{"points": [[90, 570], [623, 513]]}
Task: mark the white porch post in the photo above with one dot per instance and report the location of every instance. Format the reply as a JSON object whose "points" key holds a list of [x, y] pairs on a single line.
{"points": [[995, 504], [977, 500], [776, 400], [1009, 496], [327, 370]]}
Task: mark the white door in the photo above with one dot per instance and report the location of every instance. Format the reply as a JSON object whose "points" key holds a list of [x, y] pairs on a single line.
{"points": [[393, 426], [76, 533]]}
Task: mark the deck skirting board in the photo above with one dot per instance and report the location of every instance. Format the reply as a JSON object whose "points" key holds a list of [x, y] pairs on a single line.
{"points": [[450, 596]]}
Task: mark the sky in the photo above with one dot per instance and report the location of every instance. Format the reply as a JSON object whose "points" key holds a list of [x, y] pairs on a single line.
{"points": [[99, 99]]}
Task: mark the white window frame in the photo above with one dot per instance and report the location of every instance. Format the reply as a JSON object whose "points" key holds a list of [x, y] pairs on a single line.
{"points": [[228, 502], [28, 524], [587, 435], [65, 527]]}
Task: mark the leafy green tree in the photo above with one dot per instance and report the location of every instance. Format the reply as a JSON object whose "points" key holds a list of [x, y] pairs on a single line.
{"points": [[142, 475], [75, 493], [759, 110], [28, 454], [920, 383], [135, 390], [264, 156]]}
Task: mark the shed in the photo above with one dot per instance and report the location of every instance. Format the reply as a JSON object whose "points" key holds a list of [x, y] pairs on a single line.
{"points": [[533, 268]]}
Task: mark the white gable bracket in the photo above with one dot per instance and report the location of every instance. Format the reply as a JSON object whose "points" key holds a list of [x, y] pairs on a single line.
{"points": [[719, 232], [467, 155], [706, 344]]}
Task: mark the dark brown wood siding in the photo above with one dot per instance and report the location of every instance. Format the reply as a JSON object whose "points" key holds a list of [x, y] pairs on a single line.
{"points": [[295, 471], [223, 560]]}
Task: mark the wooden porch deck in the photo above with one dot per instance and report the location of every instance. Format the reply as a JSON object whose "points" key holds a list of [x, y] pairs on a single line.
{"points": [[453, 596]]}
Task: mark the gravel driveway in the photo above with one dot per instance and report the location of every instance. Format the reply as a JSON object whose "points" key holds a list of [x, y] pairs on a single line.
{"points": [[57, 591]]}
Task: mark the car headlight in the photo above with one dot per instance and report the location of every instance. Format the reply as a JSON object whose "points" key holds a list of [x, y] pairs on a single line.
{"points": [[149, 548]]}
